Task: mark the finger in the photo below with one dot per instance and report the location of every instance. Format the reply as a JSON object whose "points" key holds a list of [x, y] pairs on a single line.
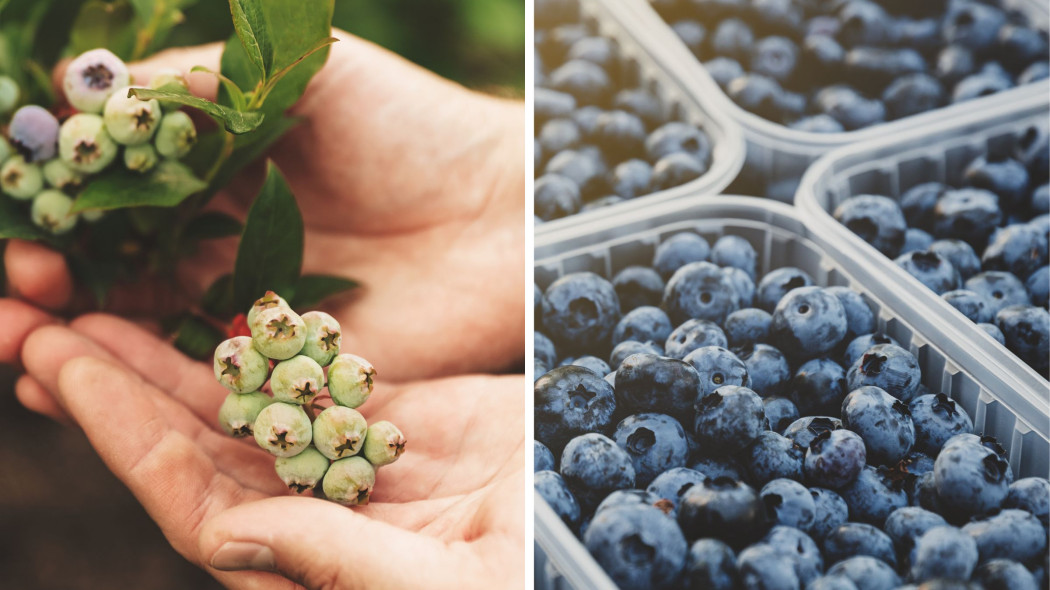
{"points": [[185, 380], [184, 59], [35, 398], [176, 482], [323, 545], [38, 274], [50, 348], [19, 321]]}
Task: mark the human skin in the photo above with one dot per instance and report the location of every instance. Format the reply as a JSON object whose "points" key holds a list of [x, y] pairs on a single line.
{"points": [[413, 186]]}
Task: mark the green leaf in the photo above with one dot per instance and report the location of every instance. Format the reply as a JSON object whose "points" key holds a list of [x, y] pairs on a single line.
{"points": [[218, 299], [231, 88], [197, 338], [312, 289], [304, 23], [167, 185], [212, 225], [15, 222], [270, 254], [277, 76], [249, 21], [251, 147], [104, 24], [234, 121]]}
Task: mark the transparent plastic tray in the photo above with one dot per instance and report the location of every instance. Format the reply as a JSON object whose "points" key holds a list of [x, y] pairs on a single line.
{"points": [[893, 165], [781, 239], [777, 153], [638, 67]]}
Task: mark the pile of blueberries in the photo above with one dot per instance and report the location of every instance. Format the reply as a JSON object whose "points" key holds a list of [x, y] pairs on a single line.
{"points": [[601, 138], [276, 375], [828, 66], [981, 246], [701, 427], [46, 162]]}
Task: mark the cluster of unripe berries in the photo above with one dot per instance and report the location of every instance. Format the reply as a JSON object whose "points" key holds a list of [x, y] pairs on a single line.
{"points": [[48, 161], [334, 449]]}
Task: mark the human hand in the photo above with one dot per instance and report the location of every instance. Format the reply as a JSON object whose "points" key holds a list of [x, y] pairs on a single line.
{"points": [[407, 182], [448, 514]]}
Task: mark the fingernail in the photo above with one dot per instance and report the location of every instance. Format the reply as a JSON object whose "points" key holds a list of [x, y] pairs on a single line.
{"points": [[235, 556]]}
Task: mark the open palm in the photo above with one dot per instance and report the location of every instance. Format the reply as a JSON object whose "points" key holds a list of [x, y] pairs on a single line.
{"points": [[451, 507], [411, 184]]}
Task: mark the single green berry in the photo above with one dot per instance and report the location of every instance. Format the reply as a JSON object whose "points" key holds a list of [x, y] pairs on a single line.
{"points": [[350, 380], [85, 145], [302, 472], [279, 333], [176, 136], [140, 158], [130, 120], [6, 149], [267, 301], [168, 78], [350, 481], [323, 337], [384, 443], [9, 94], [339, 432], [238, 366], [283, 429], [92, 77], [297, 380], [239, 410], [52, 211], [20, 179], [92, 215], [60, 176]]}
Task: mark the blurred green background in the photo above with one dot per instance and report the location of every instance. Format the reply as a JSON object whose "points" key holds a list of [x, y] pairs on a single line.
{"points": [[67, 522]]}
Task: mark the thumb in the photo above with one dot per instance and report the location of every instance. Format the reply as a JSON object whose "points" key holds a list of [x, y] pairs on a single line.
{"points": [[323, 545]]}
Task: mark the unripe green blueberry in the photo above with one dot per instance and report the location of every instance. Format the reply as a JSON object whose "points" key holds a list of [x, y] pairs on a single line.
{"points": [[129, 119], [168, 77], [85, 145], [350, 380], [238, 366], [323, 337], [279, 333], [176, 135], [384, 444], [267, 301], [60, 176], [140, 158], [239, 410], [350, 481], [20, 179], [297, 380], [283, 429], [339, 432], [92, 215], [52, 211], [9, 94], [92, 77], [302, 472]]}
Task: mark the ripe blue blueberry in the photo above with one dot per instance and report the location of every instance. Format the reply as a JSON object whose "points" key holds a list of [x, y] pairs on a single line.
{"points": [[961, 256], [555, 492], [542, 458], [834, 458], [677, 137], [629, 348], [636, 498], [594, 466], [931, 269], [874, 494], [780, 413], [585, 80], [970, 478], [968, 214], [1004, 573], [632, 178], [777, 283], [715, 366], [943, 552], [970, 304], [694, 334], [905, 525], [643, 324], [699, 290], [711, 564], [830, 512], [600, 367], [808, 321], [765, 566], [818, 387], [638, 546], [730, 418], [999, 289], [767, 368], [888, 367], [650, 383], [937, 418], [672, 484], [722, 508], [772, 457], [866, 573], [638, 286], [805, 429], [654, 442], [852, 539], [1031, 494], [580, 311], [788, 503], [556, 196], [570, 401], [33, 132], [1010, 534], [747, 326], [883, 421]]}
